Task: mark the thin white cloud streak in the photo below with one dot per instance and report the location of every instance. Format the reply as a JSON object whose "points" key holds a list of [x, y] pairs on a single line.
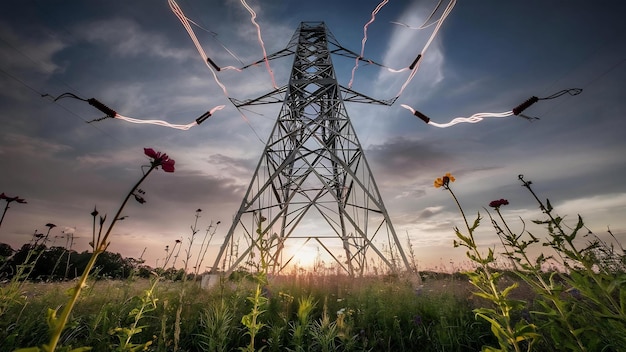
{"points": [[404, 45], [24, 146]]}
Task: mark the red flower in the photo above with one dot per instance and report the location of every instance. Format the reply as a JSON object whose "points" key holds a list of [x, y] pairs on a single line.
{"points": [[498, 203], [160, 159]]}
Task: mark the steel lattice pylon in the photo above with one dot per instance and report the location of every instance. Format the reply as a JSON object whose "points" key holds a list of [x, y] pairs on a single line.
{"points": [[313, 173]]}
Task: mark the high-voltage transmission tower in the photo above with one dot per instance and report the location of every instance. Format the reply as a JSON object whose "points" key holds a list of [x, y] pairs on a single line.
{"points": [[312, 182]]}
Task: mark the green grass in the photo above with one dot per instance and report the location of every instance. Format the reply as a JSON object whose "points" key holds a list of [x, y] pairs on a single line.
{"points": [[379, 314], [580, 307]]}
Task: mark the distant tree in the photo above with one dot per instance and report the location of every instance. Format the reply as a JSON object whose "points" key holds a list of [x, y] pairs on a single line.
{"points": [[144, 271], [57, 263], [5, 251], [27, 256]]}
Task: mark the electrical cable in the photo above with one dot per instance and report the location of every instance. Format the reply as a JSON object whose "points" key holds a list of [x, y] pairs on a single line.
{"points": [[516, 111]]}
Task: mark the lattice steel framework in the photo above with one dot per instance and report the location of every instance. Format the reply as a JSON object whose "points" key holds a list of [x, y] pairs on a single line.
{"points": [[313, 175]]}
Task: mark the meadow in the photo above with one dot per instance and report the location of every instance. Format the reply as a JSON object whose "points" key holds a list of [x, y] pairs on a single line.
{"points": [[347, 314], [571, 298]]}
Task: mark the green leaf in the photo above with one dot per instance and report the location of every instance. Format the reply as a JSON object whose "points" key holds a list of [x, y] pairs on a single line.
{"points": [[246, 320], [508, 290], [548, 206], [476, 223], [465, 239], [51, 318], [622, 300], [485, 296], [70, 291]]}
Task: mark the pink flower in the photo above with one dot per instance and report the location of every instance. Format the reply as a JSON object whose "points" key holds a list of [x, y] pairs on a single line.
{"points": [[498, 203], [160, 159]]}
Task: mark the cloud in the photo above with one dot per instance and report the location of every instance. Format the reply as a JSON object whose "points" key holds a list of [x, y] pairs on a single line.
{"points": [[429, 212], [29, 52], [20, 147], [403, 159], [403, 47], [126, 38]]}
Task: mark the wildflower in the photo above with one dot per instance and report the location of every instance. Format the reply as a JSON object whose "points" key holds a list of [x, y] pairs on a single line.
{"points": [[498, 203], [50, 225], [160, 159], [94, 213], [444, 181]]}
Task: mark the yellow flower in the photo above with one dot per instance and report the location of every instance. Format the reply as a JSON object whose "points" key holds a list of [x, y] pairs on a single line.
{"points": [[444, 181]]}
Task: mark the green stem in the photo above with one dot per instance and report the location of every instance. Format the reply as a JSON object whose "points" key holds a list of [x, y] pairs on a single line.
{"points": [[98, 248], [462, 212], [478, 255], [503, 306], [513, 242], [139, 315], [578, 256], [4, 213]]}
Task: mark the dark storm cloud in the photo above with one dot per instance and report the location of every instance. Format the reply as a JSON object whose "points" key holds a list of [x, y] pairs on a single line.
{"points": [[184, 187], [404, 159]]}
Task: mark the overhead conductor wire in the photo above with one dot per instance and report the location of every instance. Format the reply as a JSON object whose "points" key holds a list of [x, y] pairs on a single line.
{"points": [[415, 64], [517, 111], [208, 61], [110, 113], [30, 87], [356, 63], [258, 30]]}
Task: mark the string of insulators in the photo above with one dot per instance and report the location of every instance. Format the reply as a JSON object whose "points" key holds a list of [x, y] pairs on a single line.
{"points": [[523, 106], [208, 59], [417, 59], [204, 116], [98, 105], [421, 116]]}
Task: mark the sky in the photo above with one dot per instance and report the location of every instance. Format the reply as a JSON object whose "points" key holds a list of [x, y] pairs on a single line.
{"points": [[137, 58]]}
